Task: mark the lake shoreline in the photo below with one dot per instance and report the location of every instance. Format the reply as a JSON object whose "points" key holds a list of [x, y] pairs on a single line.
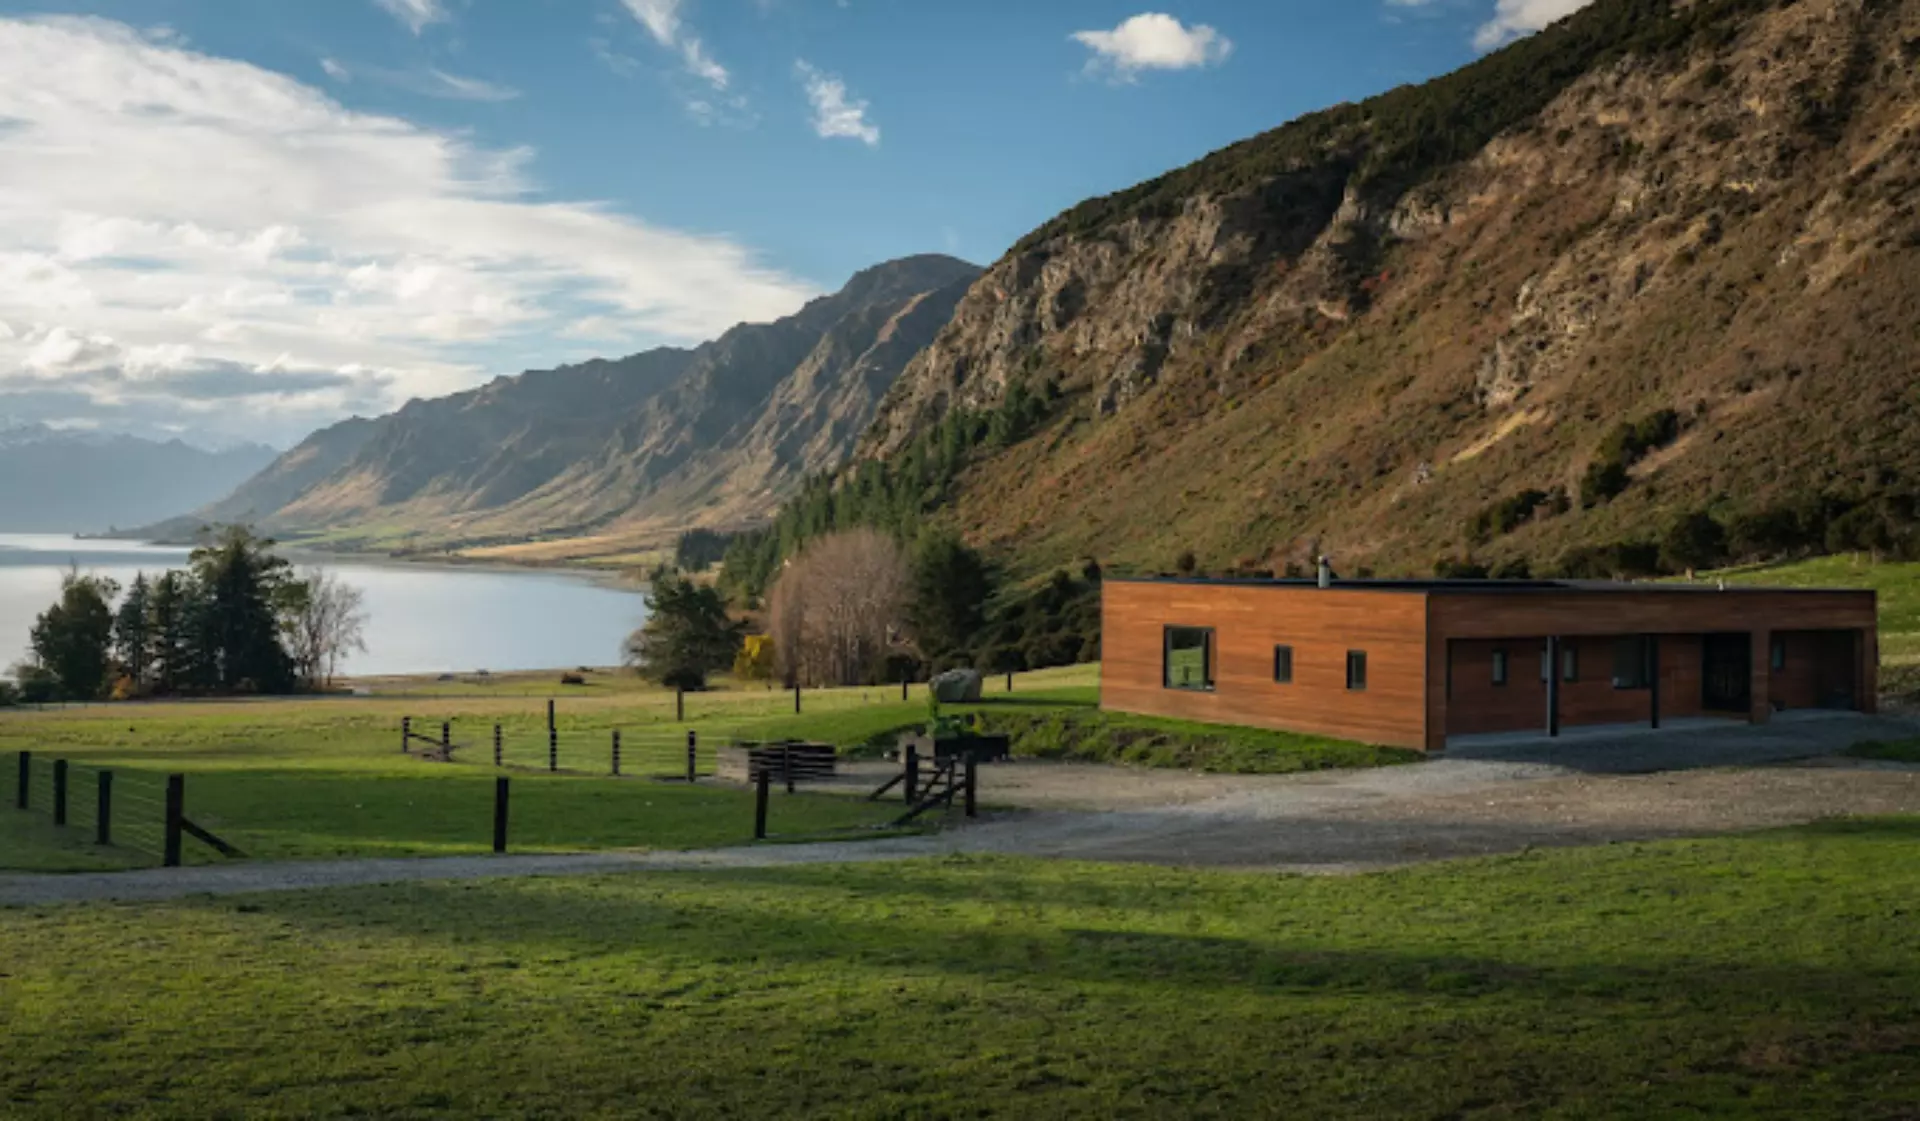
{"points": [[428, 616]]}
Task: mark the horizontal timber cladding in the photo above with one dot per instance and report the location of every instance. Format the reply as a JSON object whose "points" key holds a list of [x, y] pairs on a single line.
{"points": [[1680, 610], [1815, 669], [1321, 626]]}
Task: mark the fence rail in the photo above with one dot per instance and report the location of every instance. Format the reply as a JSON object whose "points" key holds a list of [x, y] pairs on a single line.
{"points": [[133, 810]]}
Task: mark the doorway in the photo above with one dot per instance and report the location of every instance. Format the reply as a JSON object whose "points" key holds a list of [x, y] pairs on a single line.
{"points": [[1726, 678]]}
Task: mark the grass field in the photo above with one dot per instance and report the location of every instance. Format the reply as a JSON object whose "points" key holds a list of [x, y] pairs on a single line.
{"points": [[1774, 975], [324, 777]]}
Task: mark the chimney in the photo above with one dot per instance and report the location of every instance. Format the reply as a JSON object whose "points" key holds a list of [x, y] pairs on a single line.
{"points": [[1326, 573]]}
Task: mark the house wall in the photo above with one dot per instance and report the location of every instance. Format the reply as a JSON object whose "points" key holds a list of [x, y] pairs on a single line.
{"points": [[1590, 619], [1819, 664], [1416, 639], [1249, 620]]}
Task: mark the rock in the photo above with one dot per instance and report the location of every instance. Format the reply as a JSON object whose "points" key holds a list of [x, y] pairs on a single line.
{"points": [[957, 686]]}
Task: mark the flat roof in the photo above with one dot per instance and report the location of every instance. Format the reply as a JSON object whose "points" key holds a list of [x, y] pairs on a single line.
{"points": [[1480, 587]]}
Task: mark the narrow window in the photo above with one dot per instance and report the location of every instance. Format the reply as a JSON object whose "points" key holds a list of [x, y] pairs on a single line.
{"points": [[1778, 660], [1499, 667], [1283, 665], [1356, 670], [1631, 663], [1188, 661], [1570, 663]]}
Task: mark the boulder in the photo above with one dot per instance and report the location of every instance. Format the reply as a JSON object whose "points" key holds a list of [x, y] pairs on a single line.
{"points": [[957, 686]]}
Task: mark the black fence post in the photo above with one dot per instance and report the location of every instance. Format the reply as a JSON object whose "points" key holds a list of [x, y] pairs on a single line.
{"points": [[103, 810], [679, 706], [1009, 681], [26, 779], [760, 803], [786, 765], [616, 753], [973, 782], [796, 699], [913, 774], [553, 749], [903, 689], [59, 791], [176, 809], [446, 738], [406, 734], [497, 755], [693, 756], [500, 814]]}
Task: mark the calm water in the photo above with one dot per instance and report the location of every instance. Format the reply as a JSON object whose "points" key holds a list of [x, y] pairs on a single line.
{"points": [[420, 619]]}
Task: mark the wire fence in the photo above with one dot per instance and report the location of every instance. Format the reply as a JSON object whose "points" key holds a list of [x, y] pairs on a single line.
{"points": [[122, 808]]}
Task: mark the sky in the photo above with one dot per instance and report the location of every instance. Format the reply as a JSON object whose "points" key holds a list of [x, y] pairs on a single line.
{"points": [[243, 219]]}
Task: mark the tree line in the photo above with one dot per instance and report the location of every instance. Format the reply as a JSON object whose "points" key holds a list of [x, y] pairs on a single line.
{"points": [[238, 619]]}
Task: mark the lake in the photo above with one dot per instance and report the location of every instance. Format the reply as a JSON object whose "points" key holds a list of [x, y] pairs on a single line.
{"points": [[420, 619]]}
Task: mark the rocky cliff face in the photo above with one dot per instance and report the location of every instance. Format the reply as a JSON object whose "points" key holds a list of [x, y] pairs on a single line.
{"points": [[662, 440], [1357, 332]]}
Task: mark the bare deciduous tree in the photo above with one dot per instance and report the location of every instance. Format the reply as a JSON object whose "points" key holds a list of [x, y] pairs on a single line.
{"points": [[326, 620], [835, 609]]}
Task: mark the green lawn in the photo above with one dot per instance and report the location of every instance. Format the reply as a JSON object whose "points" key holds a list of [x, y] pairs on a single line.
{"points": [[1772, 976], [32, 843], [1099, 737], [1903, 751], [324, 777]]}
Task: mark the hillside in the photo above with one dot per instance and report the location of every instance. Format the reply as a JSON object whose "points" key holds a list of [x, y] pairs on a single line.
{"points": [[647, 444], [1658, 259], [84, 482]]}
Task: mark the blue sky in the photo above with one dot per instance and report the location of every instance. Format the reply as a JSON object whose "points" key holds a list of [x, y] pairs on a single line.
{"points": [[265, 214]]}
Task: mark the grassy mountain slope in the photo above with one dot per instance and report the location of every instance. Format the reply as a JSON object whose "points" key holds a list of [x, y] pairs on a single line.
{"points": [[1363, 331], [647, 444]]}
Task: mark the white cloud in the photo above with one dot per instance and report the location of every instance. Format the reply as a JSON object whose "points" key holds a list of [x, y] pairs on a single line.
{"points": [[1153, 41], [1513, 19], [416, 14], [430, 82], [835, 112], [392, 259], [662, 20]]}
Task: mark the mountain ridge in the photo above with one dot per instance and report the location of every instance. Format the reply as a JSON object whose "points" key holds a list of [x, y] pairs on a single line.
{"points": [[648, 444]]}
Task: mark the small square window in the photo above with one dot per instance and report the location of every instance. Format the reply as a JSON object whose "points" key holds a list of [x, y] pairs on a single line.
{"points": [[1283, 665], [1356, 670], [1499, 667]]}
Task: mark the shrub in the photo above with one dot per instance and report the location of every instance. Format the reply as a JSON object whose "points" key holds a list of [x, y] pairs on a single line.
{"points": [[1692, 542], [9, 694]]}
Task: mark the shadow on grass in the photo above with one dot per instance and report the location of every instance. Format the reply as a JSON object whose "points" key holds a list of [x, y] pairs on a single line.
{"points": [[867, 924]]}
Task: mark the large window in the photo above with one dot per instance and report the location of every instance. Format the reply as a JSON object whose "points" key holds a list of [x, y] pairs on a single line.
{"points": [[1356, 669], [1283, 665], [1189, 658], [1632, 663]]}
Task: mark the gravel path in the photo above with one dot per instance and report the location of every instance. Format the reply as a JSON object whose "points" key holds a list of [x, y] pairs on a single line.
{"points": [[1501, 800]]}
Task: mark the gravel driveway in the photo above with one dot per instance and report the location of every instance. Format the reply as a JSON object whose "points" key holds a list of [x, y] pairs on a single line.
{"points": [[1487, 801]]}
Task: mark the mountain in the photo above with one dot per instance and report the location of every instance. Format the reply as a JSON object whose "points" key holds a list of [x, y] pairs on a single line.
{"points": [[61, 481], [1660, 259], [656, 442]]}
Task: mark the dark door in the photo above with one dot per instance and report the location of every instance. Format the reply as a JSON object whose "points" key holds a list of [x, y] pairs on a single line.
{"points": [[1727, 676]]}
